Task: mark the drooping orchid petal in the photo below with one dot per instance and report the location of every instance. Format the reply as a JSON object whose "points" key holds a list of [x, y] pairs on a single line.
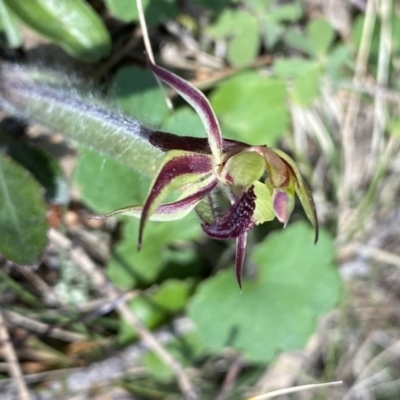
{"points": [[179, 169], [198, 101], [174, 210]]}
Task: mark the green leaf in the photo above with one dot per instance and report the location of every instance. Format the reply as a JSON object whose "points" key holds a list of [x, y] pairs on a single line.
{"points": [[23, 223], [320, 35], [252, 108], [128, 266], [155, 12], [156, 307], [298, 41], [42, 166], [292, 66], [286, 13], [278, 310], [138, 94], [272, 33], [305, 74], [72, 24], [105, 184], [9, 27], [184, 122], [306, 86], [241, 29]]}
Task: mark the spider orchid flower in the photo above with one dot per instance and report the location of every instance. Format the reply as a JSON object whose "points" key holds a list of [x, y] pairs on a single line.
{"points": [[198, 167]]}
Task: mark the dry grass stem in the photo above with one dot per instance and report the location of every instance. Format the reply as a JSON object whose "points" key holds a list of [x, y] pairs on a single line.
{"points": [[147, 45], [12, 360], [295, 389], [230, 378], [349, 175], [382, 80], [100, 282], [42, 328]]}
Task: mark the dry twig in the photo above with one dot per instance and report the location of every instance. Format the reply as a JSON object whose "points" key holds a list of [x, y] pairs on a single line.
{"points": [[100, 282], [12, 361]]}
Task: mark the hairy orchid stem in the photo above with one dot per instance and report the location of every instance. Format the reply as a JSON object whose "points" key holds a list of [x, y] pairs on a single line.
{"points": [[86, 122]]}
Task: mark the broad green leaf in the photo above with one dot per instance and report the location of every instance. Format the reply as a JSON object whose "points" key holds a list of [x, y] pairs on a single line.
{"points": [[272, 32], [291, 67], [184, 122], [128, 266], [278, 310], [138, 94], [155, 12], [320, 35], [23, 223], [298, 41], [105, 184], [156, 307], [252, 108], [42, 166], [286, 12], [72, 24], [9, 27], [244, 47], [306, 86], [241, 30], [305, 74]]}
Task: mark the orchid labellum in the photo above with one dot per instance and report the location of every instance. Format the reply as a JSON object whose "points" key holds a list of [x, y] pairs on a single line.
{"points": [[197, 167]]}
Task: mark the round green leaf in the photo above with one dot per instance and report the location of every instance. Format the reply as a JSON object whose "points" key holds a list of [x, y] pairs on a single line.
{"points": [[252, 108], [278, 310], [138, 94], [23, 223], [155, 11], [72, 24], [106, 185], [320, 36]]}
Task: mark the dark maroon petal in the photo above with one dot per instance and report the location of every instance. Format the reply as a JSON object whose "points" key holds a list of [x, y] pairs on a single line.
{"points": [[198, 101], [239, 259], [175, 167], [168, 141], [237, 220]]}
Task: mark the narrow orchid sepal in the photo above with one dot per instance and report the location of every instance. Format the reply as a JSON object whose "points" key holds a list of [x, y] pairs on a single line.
{"points": [[198, 101], [302, 190], [178, 170], [174, 210]]}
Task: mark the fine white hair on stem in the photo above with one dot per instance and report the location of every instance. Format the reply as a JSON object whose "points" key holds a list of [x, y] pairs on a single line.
{"points": [[147, 45]]}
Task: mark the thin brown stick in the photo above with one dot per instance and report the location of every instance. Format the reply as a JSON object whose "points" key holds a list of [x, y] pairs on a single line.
{"points": [[79, 257], [230, 378], [12, 361], [42, 328]]}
